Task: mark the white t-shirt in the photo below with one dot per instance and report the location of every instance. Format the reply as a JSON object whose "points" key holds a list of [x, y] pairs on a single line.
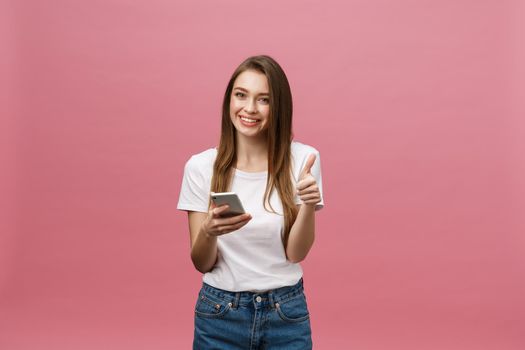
{"points": [[253, 257]]}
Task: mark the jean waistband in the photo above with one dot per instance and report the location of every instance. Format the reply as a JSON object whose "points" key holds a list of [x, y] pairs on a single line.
{"points": [[273, 296]]}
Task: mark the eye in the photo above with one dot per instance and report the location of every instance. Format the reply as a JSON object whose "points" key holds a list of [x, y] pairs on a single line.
{"points": [[266, 100], [239, 93]]}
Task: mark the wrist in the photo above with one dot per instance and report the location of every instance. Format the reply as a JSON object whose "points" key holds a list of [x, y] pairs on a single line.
{"points": [[308, 206]]}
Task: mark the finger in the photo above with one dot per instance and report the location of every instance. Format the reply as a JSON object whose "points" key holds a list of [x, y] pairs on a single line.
{"points": [[234, 219], [309, 190], [231, 228], [308, 166], [312, 202], [218, 210], [305, 183], [237, 225], [310, 196]]}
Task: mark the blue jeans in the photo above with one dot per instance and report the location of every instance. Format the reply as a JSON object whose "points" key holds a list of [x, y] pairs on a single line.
{"points": [[277, 319]]}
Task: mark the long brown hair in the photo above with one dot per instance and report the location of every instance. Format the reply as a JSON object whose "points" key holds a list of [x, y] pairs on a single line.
{"points": [[279, 133]]}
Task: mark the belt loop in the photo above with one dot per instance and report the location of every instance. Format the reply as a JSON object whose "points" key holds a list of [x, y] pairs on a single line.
{"points": [[271, 299], [236, 300]]}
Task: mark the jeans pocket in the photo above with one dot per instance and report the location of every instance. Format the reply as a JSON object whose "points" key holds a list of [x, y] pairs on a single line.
{"points": [[294, 309], [211, 307]]}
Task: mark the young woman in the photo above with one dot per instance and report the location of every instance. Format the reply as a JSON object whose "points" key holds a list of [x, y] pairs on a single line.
{"points": [[252, 295]]}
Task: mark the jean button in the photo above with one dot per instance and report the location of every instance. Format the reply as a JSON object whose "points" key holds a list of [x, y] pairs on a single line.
{"points": [[258, 299]]}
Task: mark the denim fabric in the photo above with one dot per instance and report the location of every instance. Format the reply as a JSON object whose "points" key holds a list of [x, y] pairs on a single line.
{"points": [[276, 319]]}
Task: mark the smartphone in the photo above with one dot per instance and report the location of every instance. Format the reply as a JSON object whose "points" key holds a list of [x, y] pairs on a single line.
{"points": [[230, 198]]}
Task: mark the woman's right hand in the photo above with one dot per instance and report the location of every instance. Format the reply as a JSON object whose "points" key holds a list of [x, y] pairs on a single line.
{"points": [[216, 225]]}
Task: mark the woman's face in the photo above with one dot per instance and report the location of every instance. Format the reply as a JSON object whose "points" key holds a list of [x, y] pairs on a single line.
{"points": [[250, 103]]}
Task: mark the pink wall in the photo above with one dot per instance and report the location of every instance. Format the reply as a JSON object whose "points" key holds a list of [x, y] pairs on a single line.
{"points": [[417, 110]]}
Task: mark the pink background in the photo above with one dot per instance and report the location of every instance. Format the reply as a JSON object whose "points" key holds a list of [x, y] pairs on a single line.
{"points": [[416, 107]]}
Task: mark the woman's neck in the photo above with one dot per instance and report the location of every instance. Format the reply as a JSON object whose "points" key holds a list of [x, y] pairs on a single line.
{"points": [[252, 154]]}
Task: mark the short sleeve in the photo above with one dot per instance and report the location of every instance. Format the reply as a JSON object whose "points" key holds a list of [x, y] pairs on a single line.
{"points": [[194, 194], [316, 173]]}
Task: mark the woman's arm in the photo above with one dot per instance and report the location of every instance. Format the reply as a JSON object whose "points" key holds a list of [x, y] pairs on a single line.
{"points": [[302, 234], [203, 246], [204, 229]]}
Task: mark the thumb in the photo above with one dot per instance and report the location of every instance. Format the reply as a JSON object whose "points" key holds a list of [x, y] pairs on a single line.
{"points": [[213, 206], [219, 209], [308, 166]]}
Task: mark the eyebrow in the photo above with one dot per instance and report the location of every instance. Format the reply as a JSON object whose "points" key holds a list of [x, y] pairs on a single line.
{"points": [[243, 89]]}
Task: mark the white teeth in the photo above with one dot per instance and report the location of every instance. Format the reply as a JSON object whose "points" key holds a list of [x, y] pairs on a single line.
{"points": [[249, 120]]}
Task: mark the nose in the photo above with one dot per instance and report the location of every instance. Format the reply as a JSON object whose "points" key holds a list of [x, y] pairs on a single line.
{"points": [[250, 107]]}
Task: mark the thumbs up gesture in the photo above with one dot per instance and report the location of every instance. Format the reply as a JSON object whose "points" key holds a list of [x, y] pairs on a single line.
{"points": [[307, 188]]}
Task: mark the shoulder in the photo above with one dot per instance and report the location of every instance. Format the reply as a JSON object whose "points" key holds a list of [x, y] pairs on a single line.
{"points": [[202, 161]]}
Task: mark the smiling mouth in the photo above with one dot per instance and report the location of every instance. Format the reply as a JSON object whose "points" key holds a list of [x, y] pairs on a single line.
{"points": [[248, 120]]}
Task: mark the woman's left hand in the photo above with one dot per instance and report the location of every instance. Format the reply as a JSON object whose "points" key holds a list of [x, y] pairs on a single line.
{"points": [[307, 188]]}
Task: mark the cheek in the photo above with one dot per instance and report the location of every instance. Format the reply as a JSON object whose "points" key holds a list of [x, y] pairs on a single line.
{"points": [[233, 118], [235, 102], [233, 108], [266, 113]]}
